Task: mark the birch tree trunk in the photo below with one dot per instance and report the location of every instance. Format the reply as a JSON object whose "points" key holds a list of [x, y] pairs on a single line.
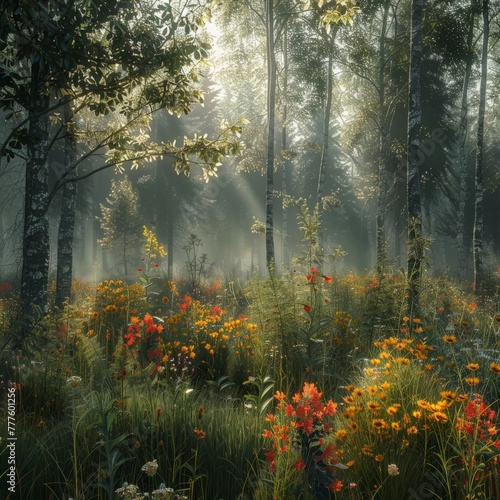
{"points": [[271, 104], [67, 221], [462, 135], [478, 187], [285, 258], [384, 146], [324, 152], [415, 248], [35, 266]]}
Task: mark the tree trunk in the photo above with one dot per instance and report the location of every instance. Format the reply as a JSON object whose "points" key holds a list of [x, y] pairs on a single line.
{"points": [[324, 152], [462, 162], [271, 98], [285, 258], [415, 247], [384, 147], [478, 198], [35, 267], [67, 221]]}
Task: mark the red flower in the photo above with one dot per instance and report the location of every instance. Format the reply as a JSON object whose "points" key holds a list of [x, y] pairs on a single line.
{"points": [[139, 270], [300, 465], [314, 270], [307, 308], [156, 265], [335, 486], [328, 279]]}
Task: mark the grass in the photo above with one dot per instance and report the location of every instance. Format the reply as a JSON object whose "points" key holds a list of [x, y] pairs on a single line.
{"points": [[113, 383]]}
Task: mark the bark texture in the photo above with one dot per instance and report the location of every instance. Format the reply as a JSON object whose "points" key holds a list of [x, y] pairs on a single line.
{"points": [[478, 185], [65, 234], [415, 247], [35, 270], [271, 105]]}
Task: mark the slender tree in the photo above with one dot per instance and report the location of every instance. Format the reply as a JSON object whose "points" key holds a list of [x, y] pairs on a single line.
{"points": [[462, 136], [271, 105], [68, 211], [121, 220], [384, 144], [415, 248], [478, 184]]}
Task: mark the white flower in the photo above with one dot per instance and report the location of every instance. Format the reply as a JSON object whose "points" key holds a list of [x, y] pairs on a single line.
{"points": [[150, 468], [392, 470], [74, 381]]}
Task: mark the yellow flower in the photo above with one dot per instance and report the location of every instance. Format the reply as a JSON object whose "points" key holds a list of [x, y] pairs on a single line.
{"points": [[450, 339], [417, 414], [495, 367], [439, 416], [385, 385], [412, 430], [367, 450], [472, 380], [473, 367], [396, 426], [358, 392], [393, 409], [375, 362], [341, 434], [449, 395], [353, 426], [379, 458], [373, 406], [379, 424], [372, 390]]}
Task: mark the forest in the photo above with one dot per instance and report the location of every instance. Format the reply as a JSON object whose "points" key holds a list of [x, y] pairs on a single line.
{"points": [[249, 249]]}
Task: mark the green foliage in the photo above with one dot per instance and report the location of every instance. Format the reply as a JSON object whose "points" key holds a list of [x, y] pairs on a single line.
{"points": [[121, 221]]}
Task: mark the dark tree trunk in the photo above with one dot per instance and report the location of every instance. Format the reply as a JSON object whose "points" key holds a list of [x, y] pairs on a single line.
{"points": [[67, 221], [415, 247], [35, 267], [462, 161], [384, 146], [324, 152], [479, 192], [271, 98]]}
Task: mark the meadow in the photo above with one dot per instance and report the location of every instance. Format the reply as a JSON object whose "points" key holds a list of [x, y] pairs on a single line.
{"points": [[303, 385]]}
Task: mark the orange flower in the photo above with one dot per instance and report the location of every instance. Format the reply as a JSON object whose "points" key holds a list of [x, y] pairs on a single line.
{"points": [[200, 434], [450, 339], [280, 396]]}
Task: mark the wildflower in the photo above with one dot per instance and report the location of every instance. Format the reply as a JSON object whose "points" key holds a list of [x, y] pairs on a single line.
{"points": [[300, 465], [200, 434], [150, 468], [328, 279], [307, 308], [449, 395], [472, 380], [412, 430], [341, 434], [128, 491], [440, 417], [74, 381], [335, 485], [495, 367], [373, 406], [280, 396], [379, 458], [358, 392], [392, 470], [473, 367], [314, 270], [379, 424], [200, 411], [396, 426], [450, 339]]}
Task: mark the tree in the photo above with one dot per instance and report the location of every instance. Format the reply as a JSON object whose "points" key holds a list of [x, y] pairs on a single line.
{"points": [[121, 221], [67, 220], [479, 191], [120, 59], [415, 246]]}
